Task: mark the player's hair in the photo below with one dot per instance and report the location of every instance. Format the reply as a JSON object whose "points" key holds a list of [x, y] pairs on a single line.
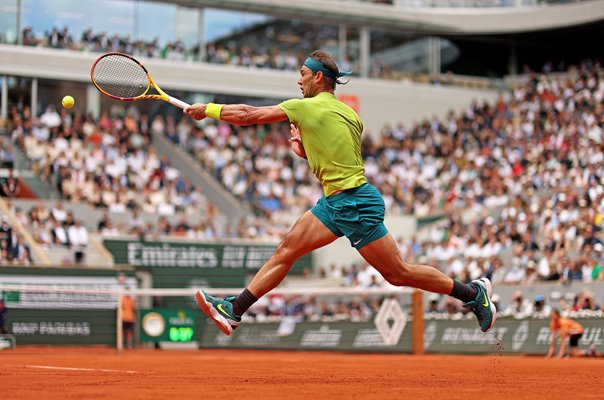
{"points": [[330, 63]]}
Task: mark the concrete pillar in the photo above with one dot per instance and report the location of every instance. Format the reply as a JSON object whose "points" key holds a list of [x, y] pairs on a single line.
{"points": [[93, 101], [513, 61], [434, 65], [34, 97], [364, 44], [20, 22], [342, 43], [201, 35], [4, 98]]}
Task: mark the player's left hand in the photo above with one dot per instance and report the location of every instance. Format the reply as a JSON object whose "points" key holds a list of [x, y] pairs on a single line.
{"points": [[197, 111], [295, 141], [295, 134]]}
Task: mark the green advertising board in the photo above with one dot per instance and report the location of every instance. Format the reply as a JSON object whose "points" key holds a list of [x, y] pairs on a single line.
{"points": [[59, 318], [167, 325], [337, 335], [509, 335], [190, 264], [63, 327]]}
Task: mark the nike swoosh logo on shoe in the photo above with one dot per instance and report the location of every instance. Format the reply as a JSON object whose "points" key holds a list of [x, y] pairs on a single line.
{"points": [[486, 298], [226, 313]]}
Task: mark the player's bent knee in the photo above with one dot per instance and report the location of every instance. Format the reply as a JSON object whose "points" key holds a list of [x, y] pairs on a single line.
{"points": [[402, 276], [285, 252], [396, 280]]}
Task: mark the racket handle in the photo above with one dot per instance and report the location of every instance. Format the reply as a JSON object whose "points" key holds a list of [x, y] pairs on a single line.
{"points": [[177, 103]]}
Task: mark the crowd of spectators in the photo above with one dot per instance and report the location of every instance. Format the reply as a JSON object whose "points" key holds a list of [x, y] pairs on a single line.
{"points": [[7, 156], [259, 52], [54, 227], [256, 164], [522, 184], [102, 42], [521, 181], [581, 304], [527, 170], [364, 307], [308, 308], [185, 227], [521, 178], [110, 163], [107, 163], [13, 249], [276, 45]]}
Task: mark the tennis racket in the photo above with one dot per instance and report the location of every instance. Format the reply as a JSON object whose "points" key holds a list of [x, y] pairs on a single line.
{"points": [[122, 77]]}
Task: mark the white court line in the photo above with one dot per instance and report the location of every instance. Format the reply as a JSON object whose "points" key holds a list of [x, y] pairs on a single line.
{"points": [[78, 369]]}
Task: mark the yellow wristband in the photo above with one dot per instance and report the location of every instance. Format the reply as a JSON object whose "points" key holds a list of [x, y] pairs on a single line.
{"points": [[213, 110]]}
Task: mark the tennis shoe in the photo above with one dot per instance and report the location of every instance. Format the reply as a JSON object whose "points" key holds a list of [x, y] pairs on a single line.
{"points": [[219, 310], [482, 306]]}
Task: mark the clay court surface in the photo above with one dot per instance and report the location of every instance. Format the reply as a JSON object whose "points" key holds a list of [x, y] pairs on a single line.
{"points": [[43, 373]]}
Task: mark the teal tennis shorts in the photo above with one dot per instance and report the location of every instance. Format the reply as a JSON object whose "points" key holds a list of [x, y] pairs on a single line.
{"points": [[356, 213]]}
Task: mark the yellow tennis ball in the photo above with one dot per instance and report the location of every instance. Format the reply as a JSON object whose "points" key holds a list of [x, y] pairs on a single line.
{"points": [[68, 101]]}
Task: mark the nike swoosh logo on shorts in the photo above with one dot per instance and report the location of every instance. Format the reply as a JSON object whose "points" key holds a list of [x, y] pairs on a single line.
{"points": [[357, 242]]}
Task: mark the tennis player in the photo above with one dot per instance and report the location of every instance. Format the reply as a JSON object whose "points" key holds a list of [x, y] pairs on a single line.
{"points": [[327, 133]]}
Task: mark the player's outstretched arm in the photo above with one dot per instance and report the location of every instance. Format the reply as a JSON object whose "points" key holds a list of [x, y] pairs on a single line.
{"points": [[237, 114]]}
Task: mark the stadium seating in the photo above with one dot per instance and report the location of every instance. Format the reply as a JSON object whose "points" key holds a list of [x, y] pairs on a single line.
{"points": [[520, 180]]}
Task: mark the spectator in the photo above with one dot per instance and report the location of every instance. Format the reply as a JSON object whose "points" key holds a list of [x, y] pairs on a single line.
{"points": [[7, 157], [78, 238], [59, 213], [59, 234], [520, 307], [3, 316], [20, 252], [103, 222], [182, 228], [496, 272], [530, 276], [20, 216], [109, 230], [29, 38], [51, 118], [433, 306], [6, 233], [10, 186], [452, 308], [136, 223], [573, 272], [540, 308], [163, 226]]}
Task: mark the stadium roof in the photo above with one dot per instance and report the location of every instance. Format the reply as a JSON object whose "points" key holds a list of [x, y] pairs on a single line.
{"points": [[495, 20]]}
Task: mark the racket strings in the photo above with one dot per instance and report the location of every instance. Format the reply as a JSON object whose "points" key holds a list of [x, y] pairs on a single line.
{"points": [[120, 76]]}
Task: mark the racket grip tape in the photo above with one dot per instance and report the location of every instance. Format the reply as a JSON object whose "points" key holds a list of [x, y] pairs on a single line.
{"points": [[177, 103]]}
